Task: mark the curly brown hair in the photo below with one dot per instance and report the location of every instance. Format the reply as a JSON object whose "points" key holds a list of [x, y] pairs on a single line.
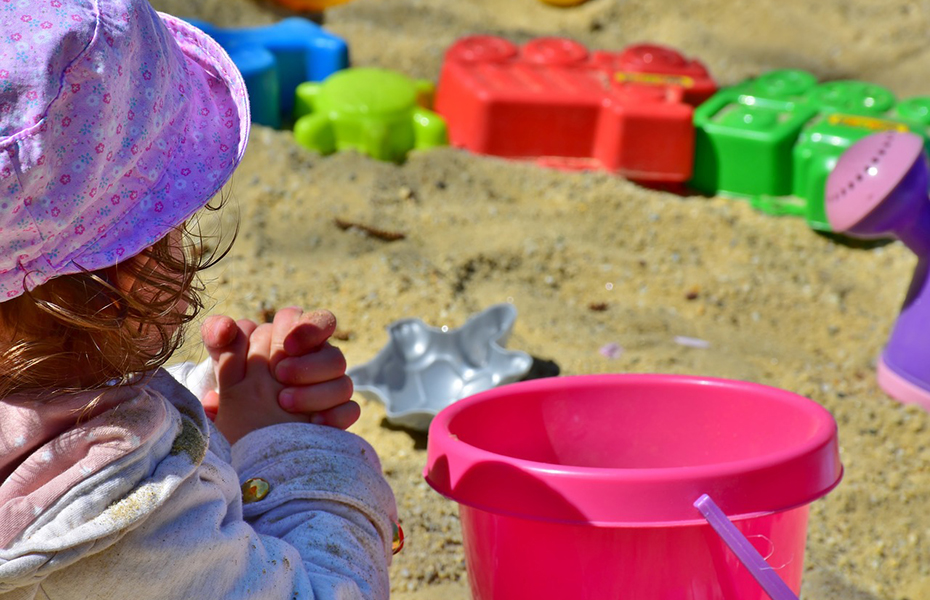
{"points": [[87, 331]]}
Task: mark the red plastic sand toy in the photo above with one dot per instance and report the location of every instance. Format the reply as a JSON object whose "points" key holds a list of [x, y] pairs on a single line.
{"points": [[309, 5], [553, 101]]}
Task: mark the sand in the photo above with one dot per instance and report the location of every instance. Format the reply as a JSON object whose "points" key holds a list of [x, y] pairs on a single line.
{"points": [[777, 303]]}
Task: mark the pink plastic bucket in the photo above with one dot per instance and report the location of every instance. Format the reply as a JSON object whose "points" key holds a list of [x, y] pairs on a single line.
{"points": [[583, 487]]}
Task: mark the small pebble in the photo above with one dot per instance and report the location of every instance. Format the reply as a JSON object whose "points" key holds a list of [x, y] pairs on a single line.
{"points": [[691, 342], [611, 350]]}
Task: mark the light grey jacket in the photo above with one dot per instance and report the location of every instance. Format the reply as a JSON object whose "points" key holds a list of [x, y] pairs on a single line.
{"points": [[141, 500]]}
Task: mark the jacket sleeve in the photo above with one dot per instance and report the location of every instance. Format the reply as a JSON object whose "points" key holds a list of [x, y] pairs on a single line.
{"points": [[324, 484], [322, 532], [328, 499]]}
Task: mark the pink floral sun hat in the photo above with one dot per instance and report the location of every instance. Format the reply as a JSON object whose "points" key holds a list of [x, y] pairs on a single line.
{"points": [[117, 123]]}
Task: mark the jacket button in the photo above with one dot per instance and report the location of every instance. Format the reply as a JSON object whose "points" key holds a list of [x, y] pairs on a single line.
{"points": [[254, 490]]}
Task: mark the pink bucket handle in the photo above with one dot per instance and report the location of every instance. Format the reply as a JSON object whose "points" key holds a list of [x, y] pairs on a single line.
{"points": [[744, 551]]}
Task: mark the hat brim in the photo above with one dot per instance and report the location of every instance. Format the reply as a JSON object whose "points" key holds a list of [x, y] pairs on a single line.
{"points": [[218, 84], [205, 52]]}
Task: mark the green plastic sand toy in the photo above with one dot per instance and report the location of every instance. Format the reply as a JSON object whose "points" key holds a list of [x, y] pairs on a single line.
{"points": [[774, 139], [376, 112]]}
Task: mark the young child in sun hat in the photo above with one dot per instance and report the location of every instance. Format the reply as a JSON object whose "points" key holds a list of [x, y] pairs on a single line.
{"points": [[117, 124]]}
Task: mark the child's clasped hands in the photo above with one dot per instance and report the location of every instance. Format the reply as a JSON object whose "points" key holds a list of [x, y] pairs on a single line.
{"points": [[290, 360]]}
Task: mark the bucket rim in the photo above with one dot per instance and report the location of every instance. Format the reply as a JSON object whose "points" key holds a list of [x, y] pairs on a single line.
{"points": [[743, 488], [632, 524]]}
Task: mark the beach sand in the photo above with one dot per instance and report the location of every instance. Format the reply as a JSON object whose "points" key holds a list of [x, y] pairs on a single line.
{"points": [[776, 303]]}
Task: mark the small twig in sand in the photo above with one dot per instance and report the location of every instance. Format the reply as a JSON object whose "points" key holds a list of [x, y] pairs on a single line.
{"points": [[266, 312], [381, 234]]}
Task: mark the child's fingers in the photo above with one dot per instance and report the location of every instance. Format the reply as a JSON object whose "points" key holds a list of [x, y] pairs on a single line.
{"points": [[227, 342], [211, 404], [340, 417], [324, 364], [260, 345], [246, 326], [316, 398], [309, 332], [218, 331], [284, 322]]}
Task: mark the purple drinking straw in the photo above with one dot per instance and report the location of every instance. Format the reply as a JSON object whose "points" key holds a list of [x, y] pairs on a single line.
{"points": [[773, 585], [878, 189]]}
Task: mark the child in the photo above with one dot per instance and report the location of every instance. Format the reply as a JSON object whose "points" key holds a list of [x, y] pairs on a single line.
{"points": [[116, 125]]}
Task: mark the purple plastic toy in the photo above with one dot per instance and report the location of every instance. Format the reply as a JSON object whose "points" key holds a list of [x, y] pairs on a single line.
{"points": [[879, 189]]}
